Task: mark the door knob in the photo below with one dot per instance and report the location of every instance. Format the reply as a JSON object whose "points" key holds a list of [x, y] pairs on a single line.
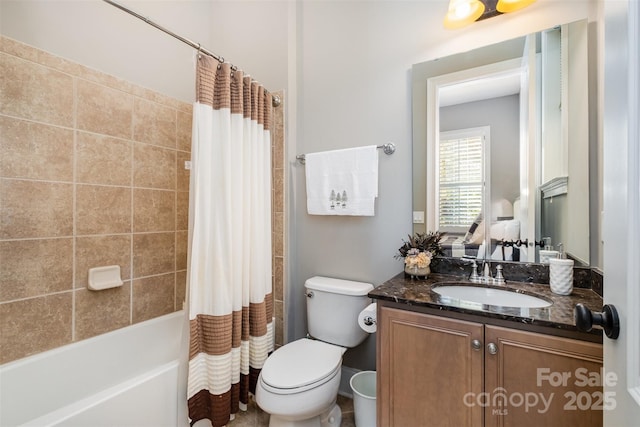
{"points": [[608, 319]]}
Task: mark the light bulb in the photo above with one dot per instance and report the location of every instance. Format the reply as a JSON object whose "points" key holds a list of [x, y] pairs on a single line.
{"points": [[462, 12]]}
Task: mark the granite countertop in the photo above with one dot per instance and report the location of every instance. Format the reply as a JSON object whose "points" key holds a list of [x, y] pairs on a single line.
{"points": [[419, 293]]}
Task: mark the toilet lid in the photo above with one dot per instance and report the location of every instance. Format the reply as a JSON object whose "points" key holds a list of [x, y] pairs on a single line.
{"points": [[301, 363]]}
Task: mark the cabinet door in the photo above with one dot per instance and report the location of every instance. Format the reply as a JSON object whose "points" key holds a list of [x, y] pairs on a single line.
{"points": [[427, 365], [538, 380]]}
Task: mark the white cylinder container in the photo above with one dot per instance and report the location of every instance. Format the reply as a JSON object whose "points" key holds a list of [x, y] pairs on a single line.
{"points": [[561, 276]]}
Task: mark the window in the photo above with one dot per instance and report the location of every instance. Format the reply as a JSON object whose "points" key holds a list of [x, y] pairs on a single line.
{"points": [[461, 177]]}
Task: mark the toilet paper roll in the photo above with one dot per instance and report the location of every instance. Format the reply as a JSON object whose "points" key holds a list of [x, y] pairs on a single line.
{"points": [[367, 318]]}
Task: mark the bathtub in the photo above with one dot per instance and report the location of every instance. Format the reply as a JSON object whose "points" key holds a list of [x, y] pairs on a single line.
{"points": [[134, 376]]}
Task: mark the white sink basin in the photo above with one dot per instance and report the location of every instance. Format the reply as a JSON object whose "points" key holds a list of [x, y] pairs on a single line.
{"points": [[490, 296]]}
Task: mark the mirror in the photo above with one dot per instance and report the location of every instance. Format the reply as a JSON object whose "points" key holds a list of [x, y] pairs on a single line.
{"points": [[501, 148]]}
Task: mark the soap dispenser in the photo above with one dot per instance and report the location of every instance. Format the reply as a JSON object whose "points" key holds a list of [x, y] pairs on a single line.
{"points": [[561, 273]]}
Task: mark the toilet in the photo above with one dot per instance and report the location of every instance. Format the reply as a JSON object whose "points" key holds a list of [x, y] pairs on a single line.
{"points": [[298, 384]]}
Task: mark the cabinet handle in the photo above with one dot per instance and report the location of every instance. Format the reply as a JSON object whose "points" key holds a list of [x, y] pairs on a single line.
{"points": [[476, 345], [493, 349]]}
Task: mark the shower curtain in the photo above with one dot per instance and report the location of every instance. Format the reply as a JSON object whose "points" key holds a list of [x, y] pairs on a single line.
{"points": [[230, 296]]}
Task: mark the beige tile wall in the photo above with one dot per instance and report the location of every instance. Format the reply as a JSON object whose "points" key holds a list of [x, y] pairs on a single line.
{"points": [[278, 209], [92, 174]]}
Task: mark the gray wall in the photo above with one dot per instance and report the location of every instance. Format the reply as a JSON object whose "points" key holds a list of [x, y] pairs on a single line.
{"points": [[354, 90], [554, 219], [503, 116]]}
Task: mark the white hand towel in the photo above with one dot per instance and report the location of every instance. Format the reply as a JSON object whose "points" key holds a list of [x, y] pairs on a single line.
{"points": [[342, 182]]}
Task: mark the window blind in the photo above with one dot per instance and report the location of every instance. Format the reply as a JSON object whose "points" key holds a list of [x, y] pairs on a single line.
{"points": [[460, 181]]}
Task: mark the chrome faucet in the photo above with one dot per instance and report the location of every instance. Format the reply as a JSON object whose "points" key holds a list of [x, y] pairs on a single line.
{"points": [[485, 275], [486, 272]]}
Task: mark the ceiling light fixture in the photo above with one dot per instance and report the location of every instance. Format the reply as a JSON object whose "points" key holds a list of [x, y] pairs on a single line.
{"points": [[506, 6], [464, 12]]}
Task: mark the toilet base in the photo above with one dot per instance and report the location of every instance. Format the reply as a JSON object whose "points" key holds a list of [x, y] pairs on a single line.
{"points": [[332, 417]]}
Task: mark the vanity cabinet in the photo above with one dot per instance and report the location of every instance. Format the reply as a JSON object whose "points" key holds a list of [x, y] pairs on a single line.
{"points": [[426, 366], [439, 371]]}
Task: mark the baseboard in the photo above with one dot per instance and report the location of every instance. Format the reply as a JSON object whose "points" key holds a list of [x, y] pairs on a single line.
{"points": [[345, 387]]}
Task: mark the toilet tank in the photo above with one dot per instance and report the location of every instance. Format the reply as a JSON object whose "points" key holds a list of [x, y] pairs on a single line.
{"points": [[333, 306]]}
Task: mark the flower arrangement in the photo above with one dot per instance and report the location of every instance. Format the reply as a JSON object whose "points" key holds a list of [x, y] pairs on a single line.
{"points": [[417, 259], [419, 250]]}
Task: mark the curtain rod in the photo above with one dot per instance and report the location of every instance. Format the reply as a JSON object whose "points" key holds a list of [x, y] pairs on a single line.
{"points": [[275, 99]]}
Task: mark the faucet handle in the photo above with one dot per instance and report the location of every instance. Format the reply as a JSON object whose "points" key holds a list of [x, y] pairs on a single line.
{"points": [[474, 272], [499, 277]]}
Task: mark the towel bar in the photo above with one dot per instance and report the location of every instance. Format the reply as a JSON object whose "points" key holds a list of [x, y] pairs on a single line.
{"points": [[388, 148]]}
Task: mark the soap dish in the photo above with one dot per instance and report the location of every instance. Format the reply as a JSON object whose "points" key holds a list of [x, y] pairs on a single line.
{"points": [[104, 277]]}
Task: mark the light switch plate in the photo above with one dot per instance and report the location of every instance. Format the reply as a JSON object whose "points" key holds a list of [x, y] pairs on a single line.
{"points": [[418, 217]]}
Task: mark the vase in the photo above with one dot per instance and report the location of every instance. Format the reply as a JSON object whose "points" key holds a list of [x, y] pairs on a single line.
{"points": [[417, 272]]}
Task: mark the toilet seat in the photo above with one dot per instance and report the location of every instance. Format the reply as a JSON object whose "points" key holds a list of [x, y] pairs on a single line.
{"points": [[301, 365]]}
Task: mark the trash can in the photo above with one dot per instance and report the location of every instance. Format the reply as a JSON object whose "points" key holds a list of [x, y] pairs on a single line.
{"points": [[363, 385]]}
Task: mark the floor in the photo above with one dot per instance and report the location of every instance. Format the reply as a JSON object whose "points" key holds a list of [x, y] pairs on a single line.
{"points": [[256, 417]]}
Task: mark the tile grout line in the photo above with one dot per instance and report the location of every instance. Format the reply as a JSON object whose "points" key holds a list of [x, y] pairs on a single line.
{"points": [[175, 221], [131, 183], [74, 127], [74, 214]]}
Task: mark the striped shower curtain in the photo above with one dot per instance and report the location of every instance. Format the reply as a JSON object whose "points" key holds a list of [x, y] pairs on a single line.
{"points": [[230, 296]]}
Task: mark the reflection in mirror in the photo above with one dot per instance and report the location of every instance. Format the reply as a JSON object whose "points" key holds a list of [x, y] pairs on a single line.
{"points": [[501, 148], [484, 109]]}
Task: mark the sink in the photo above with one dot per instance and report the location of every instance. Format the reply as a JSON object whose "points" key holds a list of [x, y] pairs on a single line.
{"points": [[490, 296]]}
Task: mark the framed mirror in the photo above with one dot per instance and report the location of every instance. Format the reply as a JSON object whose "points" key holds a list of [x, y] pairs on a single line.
{"points": [[502, 148]]}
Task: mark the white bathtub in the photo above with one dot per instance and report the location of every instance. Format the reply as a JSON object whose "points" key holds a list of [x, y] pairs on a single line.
{"points": [[134, 376]]}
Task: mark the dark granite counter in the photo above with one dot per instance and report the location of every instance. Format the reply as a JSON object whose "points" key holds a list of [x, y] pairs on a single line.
{"points": [[416, 294]]}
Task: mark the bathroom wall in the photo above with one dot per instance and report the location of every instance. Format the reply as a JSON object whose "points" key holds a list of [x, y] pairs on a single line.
{"points": [[92, 174], [250, 34], [554, 219], [100, 36]]}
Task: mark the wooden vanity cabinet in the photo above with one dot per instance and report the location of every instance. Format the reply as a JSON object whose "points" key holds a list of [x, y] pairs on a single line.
{"points": [[438, 371], [549, 381], [426, 365]]}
